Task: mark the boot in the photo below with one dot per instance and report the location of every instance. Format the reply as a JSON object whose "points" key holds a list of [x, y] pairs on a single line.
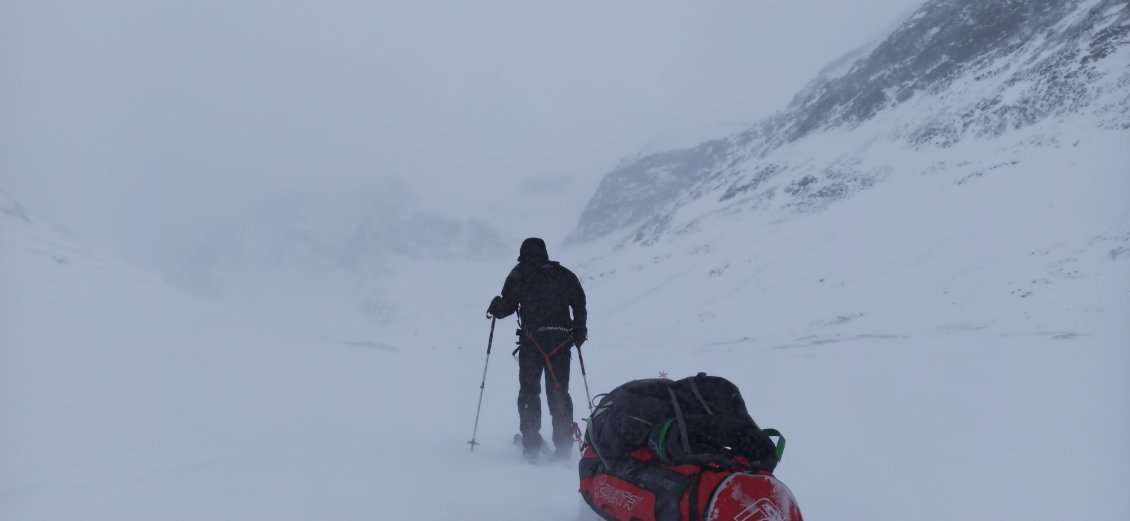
{"points": [[532, 448]]}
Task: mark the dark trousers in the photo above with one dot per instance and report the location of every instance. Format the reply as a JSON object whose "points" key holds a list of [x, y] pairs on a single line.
{"points": [[531, 366]]}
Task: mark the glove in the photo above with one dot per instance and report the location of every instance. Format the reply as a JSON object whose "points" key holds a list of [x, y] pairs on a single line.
{"points": [[580, 335], [495, 308]]}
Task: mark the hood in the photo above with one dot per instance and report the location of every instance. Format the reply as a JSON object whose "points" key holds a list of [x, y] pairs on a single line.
{"points": [[533, 250]]}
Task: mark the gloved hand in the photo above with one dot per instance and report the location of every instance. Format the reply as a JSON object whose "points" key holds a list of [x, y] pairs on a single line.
{"points": [[580, 335], [495, 308]]}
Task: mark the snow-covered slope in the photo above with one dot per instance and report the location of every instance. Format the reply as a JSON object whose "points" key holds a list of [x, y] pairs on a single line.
{"points": [[926, 343], [928, 376], [931, 248], [956, 71], [996, 241], [120, 398]]}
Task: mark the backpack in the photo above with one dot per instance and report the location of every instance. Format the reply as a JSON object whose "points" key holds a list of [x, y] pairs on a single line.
{"points": [[701, 420], [686, 450]]}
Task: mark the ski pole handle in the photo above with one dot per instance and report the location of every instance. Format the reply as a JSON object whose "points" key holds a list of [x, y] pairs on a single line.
{"points": [[490, 339]]}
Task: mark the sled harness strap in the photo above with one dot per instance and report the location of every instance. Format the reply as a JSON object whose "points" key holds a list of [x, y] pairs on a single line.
{"points": [[553, 375]]}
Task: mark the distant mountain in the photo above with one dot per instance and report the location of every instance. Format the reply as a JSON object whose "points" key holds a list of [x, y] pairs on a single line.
{"points": [[389, 232], [955, 71], [11, 210], [24, 234]]}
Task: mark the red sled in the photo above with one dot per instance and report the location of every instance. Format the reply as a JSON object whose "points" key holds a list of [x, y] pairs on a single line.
{"points": [[650, 491], [708, 462]]}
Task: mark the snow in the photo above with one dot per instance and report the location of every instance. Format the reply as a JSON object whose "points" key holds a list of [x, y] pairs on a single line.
{"points": [[950, 343]]}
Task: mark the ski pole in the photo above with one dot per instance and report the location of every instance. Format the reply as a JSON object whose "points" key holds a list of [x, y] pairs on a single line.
{"points": [[584, 377], [483, 386]]}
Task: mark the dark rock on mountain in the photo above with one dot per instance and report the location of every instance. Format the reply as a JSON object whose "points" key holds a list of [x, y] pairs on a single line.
{"points": [[955, 70]]}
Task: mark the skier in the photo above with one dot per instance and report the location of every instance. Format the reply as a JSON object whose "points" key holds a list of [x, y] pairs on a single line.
{"points": [[542, 292]]}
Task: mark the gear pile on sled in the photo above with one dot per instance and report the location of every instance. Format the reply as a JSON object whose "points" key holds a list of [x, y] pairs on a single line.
{"points": [[663, 450]]}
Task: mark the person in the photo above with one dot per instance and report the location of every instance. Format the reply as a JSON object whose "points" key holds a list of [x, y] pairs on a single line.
{"points": [[543, 292]]}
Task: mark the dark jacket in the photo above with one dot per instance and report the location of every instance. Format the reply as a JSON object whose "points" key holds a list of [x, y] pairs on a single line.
{"points": [[542, 292]]}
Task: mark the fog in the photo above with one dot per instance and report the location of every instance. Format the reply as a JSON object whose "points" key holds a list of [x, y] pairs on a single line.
{"points": [[142, 127]]}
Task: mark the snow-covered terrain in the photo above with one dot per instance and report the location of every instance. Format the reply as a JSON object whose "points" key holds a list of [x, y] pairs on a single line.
{"points": [[928, 348], [942, 336]]}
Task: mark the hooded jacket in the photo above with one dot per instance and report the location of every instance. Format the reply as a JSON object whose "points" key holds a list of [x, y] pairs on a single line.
{"points": [[542, 292]]}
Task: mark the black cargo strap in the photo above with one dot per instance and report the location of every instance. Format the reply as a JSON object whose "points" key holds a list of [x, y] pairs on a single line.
{"points": [[697, 394], [682, 423], [693, 513]]}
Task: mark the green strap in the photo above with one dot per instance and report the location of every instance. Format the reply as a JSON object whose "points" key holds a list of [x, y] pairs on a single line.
{"points": [[780, 441], [662, 448]]}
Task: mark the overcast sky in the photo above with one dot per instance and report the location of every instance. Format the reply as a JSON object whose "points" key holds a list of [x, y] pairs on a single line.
{"points": [[140, 125]]}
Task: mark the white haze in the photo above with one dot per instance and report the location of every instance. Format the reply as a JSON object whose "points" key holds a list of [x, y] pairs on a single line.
{"points": [[948, 344], [143, 127]]}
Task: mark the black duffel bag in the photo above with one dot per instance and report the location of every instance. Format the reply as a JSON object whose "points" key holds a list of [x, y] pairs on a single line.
{"points": [[701, 420]]}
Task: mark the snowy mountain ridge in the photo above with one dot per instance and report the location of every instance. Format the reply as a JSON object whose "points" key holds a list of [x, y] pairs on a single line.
{"points": [[25, 233], [957, 70]]}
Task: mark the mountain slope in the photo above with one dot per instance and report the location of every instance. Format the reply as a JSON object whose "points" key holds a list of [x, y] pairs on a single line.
{"points": [[957, 70], [904, 250]]}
